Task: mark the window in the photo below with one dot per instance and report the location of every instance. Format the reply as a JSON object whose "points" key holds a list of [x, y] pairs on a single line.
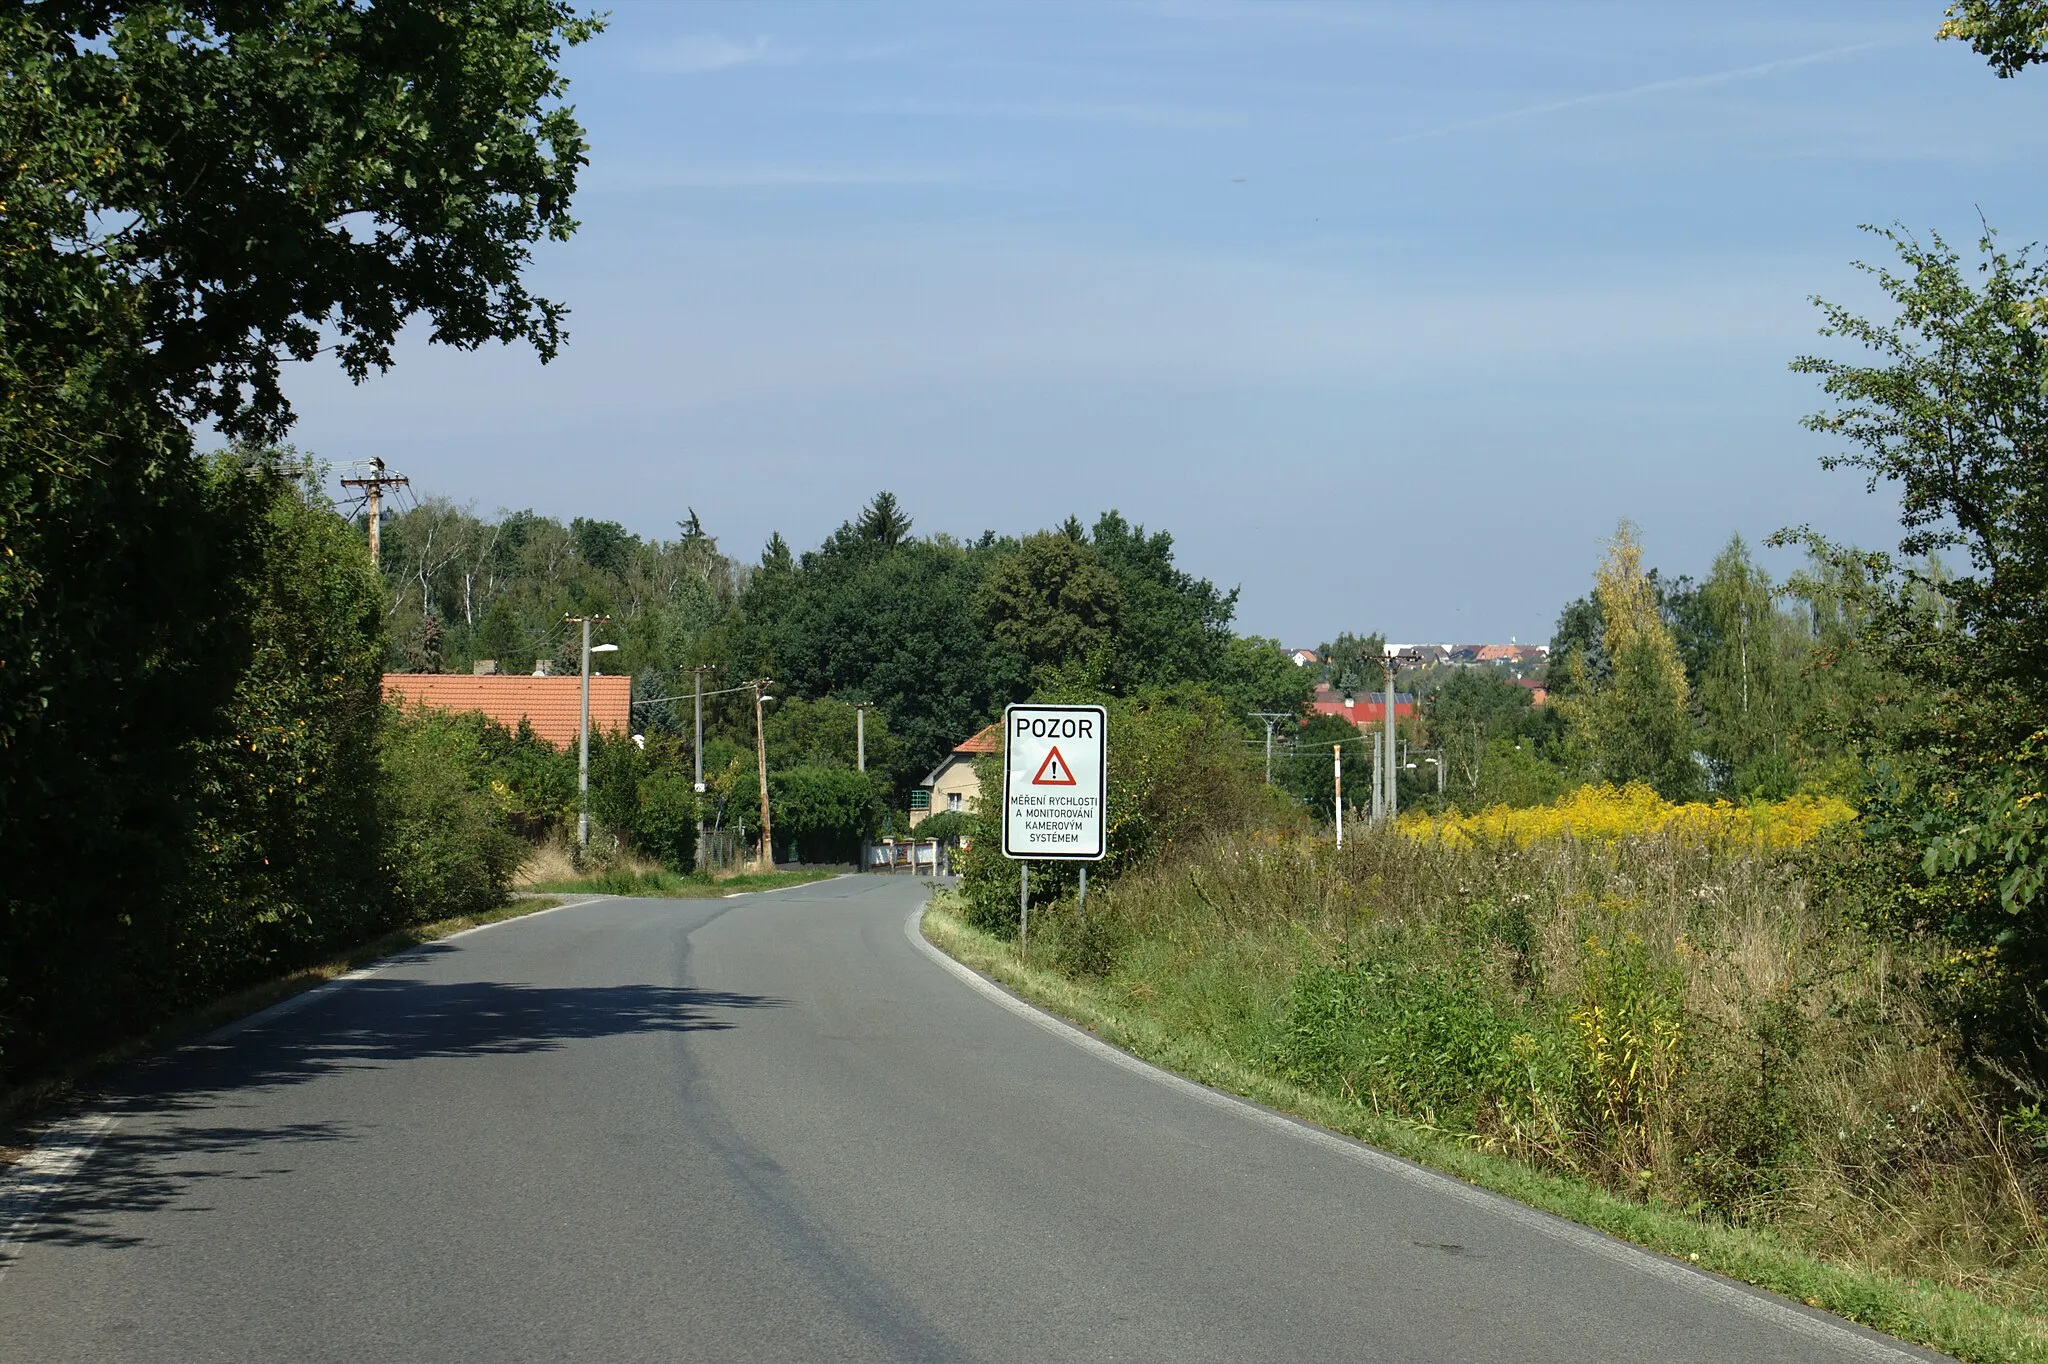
{"points": [[954, 800]]}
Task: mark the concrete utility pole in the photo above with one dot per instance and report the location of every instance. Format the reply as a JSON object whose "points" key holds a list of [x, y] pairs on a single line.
{"points": [[697, 761], [1337, 787], [583, 736], [761, 767], [1379, 783], [860, 734], [373, 493], [1392, 749], [1271, 717]]}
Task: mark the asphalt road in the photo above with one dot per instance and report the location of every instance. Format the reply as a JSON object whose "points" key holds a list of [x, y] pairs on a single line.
{"points": [[774, 1127]]}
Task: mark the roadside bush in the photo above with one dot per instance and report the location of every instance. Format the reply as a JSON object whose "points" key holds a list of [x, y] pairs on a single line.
{"points": [[447, 850], [665, 822], [822, 813], [947, 826], [1684, 1020], [1179, 774]]}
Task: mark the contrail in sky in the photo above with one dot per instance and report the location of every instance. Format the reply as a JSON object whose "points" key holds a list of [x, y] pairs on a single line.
{"points": [[1700, 82]]}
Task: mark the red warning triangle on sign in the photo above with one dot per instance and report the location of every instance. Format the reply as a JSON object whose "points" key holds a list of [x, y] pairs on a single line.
{"points": [[1054, 771]]}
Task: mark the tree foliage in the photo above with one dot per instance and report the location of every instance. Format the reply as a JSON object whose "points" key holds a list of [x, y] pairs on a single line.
{"points": [[192, 195], [1952, 411], [2011, 34], [1633, 725]]}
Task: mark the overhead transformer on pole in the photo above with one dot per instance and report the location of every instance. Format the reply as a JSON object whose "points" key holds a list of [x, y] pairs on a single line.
{"points": [[373, 486], [1055, 794]]}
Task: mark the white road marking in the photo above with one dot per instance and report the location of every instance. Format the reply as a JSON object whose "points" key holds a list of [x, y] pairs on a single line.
{"points": [[1749, 1301], [41, 1172]]}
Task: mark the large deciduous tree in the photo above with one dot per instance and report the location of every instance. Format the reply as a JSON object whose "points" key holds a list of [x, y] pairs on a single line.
{"points": [[191, 196], [1949, 407]]}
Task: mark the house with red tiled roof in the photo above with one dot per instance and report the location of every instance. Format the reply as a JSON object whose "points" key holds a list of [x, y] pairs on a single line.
{"points": [[1363, 709], [552, 705], [953, 784], [1539, 693]]}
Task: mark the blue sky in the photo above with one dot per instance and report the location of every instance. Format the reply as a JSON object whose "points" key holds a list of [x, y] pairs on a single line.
{"points": [[1388, 313]]}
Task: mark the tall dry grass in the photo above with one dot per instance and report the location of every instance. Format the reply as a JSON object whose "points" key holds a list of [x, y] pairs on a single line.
{"points": [[1670, 1018]]}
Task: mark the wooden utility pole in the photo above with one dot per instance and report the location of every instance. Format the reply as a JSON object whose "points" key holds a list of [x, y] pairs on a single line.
{"points": [[373, 494], [761, 767]]}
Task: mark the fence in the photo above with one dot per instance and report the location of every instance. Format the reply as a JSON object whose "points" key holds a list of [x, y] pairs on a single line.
{"points": [[911, 856], [722, 850]]}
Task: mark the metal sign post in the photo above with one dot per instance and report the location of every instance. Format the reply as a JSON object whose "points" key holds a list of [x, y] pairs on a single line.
{"points": [[1055, 792]]}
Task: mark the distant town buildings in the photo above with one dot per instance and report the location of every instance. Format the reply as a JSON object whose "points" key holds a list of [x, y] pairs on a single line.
{"points": [[1456, 655], [1362, 709]]}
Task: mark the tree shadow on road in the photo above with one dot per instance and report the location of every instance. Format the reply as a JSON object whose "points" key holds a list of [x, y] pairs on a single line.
{"points": [[171, 1142]]}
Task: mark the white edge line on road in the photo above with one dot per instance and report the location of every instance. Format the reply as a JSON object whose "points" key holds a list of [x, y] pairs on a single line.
{"points": [[55, 1159], [801, 885], [1750, 1301], [66, 1146]]}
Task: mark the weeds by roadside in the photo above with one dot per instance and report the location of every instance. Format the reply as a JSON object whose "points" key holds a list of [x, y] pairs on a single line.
{"points": [[1669, 1020]]}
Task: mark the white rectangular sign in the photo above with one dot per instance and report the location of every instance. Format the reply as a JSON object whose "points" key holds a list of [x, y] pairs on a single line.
{"points": [[1055, 781]]}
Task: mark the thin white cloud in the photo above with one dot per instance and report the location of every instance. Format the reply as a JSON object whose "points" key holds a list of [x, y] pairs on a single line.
{"points": [[697, 52], [1705, 81], [700, 53], [765, 177]]}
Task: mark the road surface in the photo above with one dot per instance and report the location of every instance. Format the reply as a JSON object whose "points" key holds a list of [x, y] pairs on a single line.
{"points": [[776, 1127]]}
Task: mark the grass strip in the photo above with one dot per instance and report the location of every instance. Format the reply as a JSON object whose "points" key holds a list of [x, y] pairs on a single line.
{"points": [[669, 885], [22, 1103], [1936, 1316]]}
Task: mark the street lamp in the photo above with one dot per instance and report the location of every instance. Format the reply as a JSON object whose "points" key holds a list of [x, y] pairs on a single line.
{"points": [[761, 700], [583, 732]]}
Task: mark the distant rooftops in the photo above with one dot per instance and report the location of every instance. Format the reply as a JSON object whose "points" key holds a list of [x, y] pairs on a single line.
{"points": [[552, 705]]}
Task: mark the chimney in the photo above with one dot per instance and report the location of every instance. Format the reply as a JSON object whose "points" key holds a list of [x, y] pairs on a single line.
{"points": [[484, 667]]}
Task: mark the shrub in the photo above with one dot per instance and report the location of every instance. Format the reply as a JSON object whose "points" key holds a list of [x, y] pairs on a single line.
{"points": [[1636, 811], [446, 848], [822, 813], [1677, 1018], [1178, 774], [665, 822]]}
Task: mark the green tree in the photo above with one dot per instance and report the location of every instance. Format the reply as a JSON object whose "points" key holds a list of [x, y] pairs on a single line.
{"points": [[1170, 625], [1355, 664], [1480, 720], [1052, 603], [1633, 726], [1747, 682], [1309, 773], [824, 733], [1578, 653], [822, 813], [1255, 674], [1954, 414], [195, 194], [2011, 34]]}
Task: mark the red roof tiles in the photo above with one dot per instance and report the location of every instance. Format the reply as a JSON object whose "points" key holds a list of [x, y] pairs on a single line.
{"points": [[553, 705], [990, 740]]}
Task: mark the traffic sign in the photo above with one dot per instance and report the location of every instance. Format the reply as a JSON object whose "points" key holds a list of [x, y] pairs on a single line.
{"points": [[1055, 782]]}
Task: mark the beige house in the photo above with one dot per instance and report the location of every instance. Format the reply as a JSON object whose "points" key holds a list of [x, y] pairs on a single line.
{"points": [[952, 784]]}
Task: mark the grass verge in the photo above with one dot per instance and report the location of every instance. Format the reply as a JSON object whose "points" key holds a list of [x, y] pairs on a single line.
{"points": [[19, 1106], [1939, 1317], [668, 885]]}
